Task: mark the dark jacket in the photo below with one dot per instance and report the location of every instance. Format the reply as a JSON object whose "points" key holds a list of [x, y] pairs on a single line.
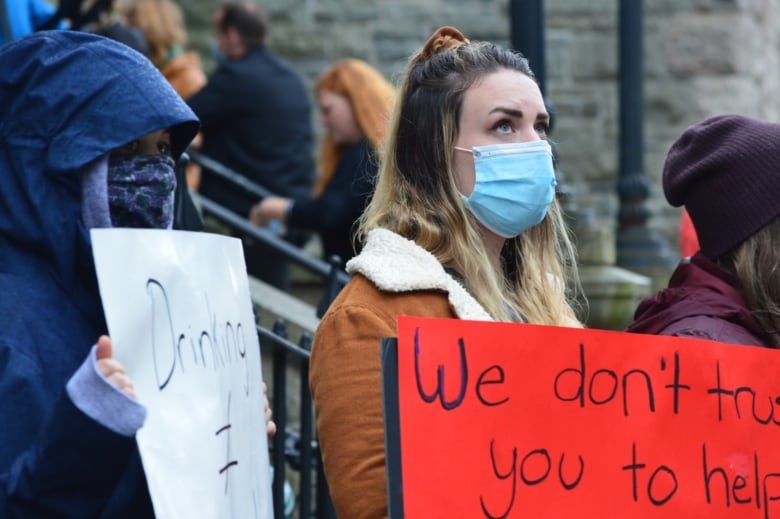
{"points": [[256, 118], [333, 213], [702, 301], [66, 98]]}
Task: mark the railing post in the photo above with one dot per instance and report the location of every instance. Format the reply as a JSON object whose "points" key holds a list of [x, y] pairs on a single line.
{"points": [[325, 508], [307, 434], [638, 246], [280, 417], [332, 285], [527, 20], [527, 32]]}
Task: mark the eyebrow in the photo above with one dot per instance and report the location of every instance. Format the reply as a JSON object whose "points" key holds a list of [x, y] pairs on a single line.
{"points": [[542, 116]]}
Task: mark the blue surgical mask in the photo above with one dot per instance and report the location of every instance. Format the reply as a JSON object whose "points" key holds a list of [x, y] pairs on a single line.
{"points": [[514, 186], [215, 53], [141, 190]]}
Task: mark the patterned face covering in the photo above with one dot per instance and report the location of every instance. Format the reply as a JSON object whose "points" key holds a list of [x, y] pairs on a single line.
{"points": [[140, 190]]}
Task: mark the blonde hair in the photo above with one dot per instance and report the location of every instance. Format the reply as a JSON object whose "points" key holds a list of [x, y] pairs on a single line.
{"points": [[754, 262], [416, 195], [370, 97], [162, 23]]}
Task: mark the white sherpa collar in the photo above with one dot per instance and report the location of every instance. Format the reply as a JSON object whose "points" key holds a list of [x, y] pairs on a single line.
{"points": [[396, 264]]}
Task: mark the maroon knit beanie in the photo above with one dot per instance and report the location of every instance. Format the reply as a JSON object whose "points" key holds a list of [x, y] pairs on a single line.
{"points": [[726, 171]]}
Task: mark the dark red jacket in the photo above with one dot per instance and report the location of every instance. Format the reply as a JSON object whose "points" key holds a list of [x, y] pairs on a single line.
{"points": [[702, 301]]}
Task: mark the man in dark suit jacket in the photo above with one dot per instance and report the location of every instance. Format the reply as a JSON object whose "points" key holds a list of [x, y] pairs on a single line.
{"points": [[256, 119]]}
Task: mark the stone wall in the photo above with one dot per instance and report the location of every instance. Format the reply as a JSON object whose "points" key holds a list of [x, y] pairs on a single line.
{"points": [[701, 57]]}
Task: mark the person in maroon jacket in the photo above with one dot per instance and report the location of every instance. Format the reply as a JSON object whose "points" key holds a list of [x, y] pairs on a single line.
{"points": [[725, 170]]}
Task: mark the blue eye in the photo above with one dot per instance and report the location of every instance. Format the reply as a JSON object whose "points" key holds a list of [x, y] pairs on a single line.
{"points": [[503, 126]]}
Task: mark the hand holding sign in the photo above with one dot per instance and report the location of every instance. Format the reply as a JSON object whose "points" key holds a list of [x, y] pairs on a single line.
{"points": [[111, 368], [178, 308], [270, 425]]}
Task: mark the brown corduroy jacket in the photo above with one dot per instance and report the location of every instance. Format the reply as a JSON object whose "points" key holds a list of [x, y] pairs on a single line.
{"points": [[392, 276]]}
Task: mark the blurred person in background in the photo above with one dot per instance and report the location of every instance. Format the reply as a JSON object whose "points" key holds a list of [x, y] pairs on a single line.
{"points": [[162, 24], [354, 101], [21, 17], [256, 120]]}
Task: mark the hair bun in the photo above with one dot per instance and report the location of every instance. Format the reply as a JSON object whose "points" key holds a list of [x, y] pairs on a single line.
{"points": [[443, 39]]}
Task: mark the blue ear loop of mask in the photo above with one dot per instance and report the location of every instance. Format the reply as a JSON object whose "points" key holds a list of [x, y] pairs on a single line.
{"points": [[514, 185], [141, 190], [215, 53]]}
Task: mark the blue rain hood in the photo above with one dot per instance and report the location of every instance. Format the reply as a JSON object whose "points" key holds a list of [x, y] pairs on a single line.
{"points": [[66, 99]]}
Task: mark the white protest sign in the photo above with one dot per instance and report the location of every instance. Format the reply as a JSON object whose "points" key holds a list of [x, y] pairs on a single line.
{"points": [[180, 317]]}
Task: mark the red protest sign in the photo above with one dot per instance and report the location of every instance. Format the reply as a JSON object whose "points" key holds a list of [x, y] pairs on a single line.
{"points": [[501, 420]]}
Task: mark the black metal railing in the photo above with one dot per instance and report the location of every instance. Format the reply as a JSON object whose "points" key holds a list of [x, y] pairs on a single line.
{"points": [[330, 271], [212, 167], [297, 450]]}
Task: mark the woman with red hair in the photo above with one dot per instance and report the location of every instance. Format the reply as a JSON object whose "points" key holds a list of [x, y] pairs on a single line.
{"points": [[355, 101]]}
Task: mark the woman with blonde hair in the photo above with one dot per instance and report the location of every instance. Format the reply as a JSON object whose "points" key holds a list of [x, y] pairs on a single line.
{"points": [[355, 102], [162, 23], [463, 223]]}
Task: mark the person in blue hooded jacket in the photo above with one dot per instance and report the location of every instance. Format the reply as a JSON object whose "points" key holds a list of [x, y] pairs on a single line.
{"points": [[89, 132], [22, 17]]}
